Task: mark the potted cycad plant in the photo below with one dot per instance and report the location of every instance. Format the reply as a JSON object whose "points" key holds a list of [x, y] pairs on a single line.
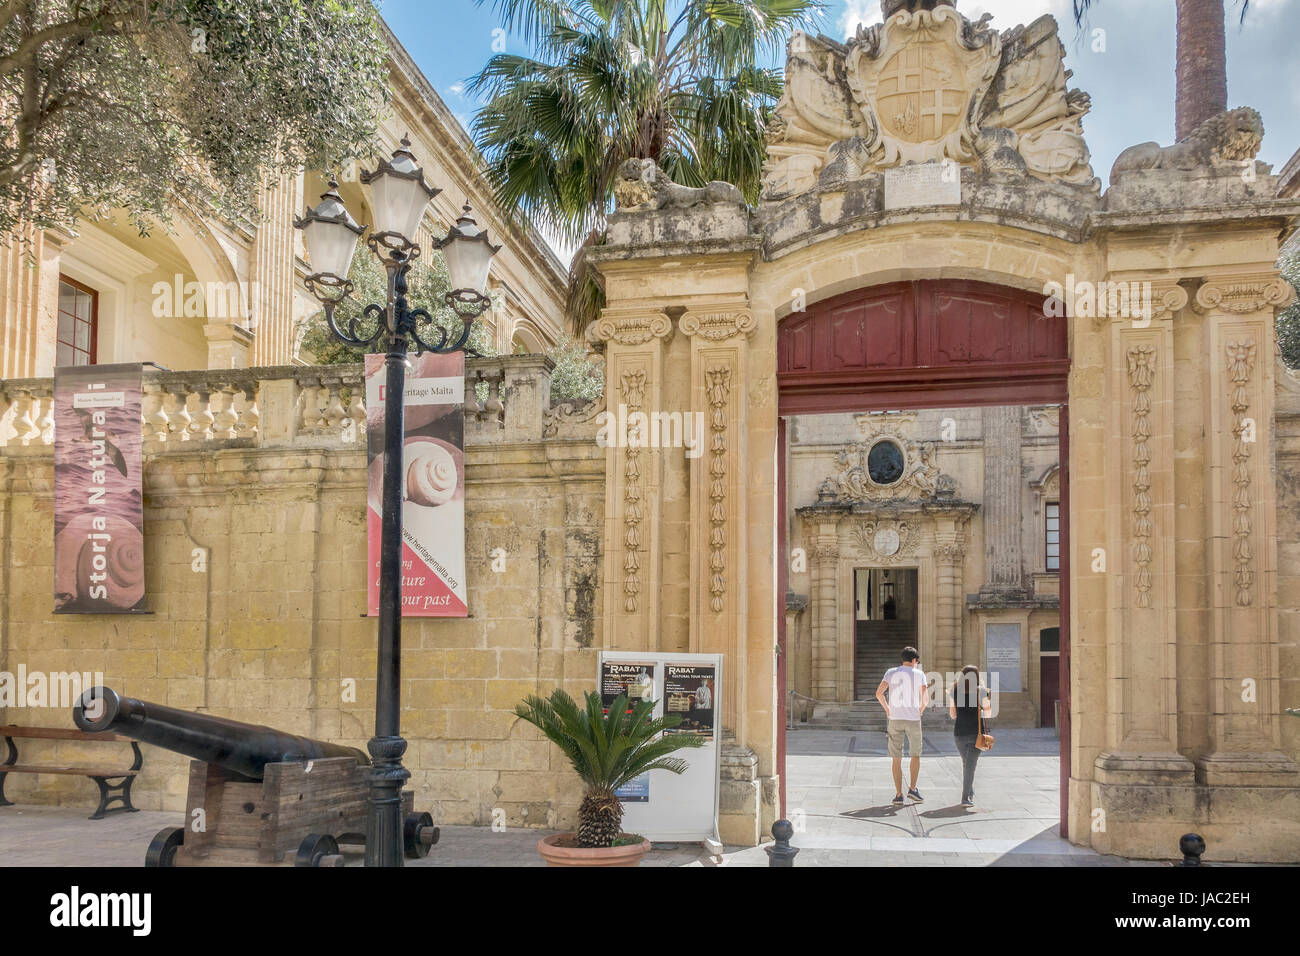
{"points": [[607, 750]]}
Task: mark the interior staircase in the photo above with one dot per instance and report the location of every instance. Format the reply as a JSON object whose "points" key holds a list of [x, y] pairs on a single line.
{"points": [[876, 649]]}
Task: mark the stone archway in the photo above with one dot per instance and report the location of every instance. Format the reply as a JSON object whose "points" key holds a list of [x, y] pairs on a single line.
{"points": [[1174, 564]]}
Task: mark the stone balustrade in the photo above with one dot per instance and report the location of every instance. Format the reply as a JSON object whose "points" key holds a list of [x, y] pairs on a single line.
{"points": [[507, 399]]}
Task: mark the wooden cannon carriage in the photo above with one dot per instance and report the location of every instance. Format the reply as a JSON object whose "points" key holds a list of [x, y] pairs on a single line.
{"points": [[257, 797]]}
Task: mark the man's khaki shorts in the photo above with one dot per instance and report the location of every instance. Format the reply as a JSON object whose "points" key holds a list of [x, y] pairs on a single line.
{"points": [[898, 729]]}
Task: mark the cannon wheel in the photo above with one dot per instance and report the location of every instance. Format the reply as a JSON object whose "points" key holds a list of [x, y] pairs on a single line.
{"points": [[162, 851], [313, 847], [417, 849]]}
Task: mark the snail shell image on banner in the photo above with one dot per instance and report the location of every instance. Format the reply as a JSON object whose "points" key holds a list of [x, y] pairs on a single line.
{"points": [[432, 475], [98, 505], [433, 484]]}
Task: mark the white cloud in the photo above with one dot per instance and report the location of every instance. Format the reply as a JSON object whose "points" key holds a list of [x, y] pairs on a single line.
{"points": [[457, 88], [857, 13]]}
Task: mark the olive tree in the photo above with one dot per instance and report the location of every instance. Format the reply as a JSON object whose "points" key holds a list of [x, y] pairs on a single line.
{"points": [[145, 105]]}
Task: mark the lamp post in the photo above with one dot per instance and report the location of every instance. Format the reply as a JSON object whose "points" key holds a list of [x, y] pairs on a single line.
{"points": [[400, 198]]}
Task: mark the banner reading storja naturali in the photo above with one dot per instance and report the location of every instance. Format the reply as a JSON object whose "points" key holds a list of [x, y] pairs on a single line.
{"points": [[433, 484], [98, 506]]}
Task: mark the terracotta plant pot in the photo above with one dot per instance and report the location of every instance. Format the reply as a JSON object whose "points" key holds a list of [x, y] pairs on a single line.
{"points": [[629, 855]]}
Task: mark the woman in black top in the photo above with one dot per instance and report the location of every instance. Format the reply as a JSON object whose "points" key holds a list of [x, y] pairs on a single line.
{"points": [[965, 701]]}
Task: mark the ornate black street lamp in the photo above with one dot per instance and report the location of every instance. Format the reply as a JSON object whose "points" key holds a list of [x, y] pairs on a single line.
{"points": [[400, 198]]}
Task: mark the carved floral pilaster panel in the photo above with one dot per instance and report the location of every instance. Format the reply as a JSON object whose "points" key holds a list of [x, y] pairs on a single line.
{"points": [[632, 387], [718, 389], [1241, 366], [1141, 375]]}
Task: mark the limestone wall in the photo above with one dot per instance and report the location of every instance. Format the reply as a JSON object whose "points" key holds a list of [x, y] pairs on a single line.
{"points": [[273, 628]]}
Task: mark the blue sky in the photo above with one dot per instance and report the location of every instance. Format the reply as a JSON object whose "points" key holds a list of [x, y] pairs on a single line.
{"points": [[1131, 82]]}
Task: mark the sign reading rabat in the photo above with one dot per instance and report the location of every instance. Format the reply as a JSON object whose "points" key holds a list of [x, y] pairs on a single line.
{"points": [[98, 504]]}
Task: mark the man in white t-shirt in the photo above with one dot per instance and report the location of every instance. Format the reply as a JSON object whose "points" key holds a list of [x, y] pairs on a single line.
{"points": [[908, 696]]}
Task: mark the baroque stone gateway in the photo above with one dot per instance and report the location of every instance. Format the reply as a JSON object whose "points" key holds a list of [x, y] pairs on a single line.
{"points": [[886, 390], [1159, 438]]}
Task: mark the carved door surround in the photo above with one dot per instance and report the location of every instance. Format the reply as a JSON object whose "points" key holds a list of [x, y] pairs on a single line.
{"points": [[929, 537]]}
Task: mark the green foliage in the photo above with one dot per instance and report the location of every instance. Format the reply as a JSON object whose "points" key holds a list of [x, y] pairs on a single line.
{"points": [[575, 376], [147, 104], [608, 750], [1288, 320], [427, 284], [677, 81]]}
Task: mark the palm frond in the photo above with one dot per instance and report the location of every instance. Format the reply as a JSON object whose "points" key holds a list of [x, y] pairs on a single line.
{"points": [[607, 749]]}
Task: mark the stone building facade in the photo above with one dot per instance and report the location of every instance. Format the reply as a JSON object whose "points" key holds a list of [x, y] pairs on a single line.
{"points": [[255, 575], [932, 242], [929, 528], [208, 293]]}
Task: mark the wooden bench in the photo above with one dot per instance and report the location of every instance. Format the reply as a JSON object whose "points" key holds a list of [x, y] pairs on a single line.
{"points": [[119, 792]]}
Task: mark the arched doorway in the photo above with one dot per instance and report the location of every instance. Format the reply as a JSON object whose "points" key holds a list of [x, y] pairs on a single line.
{"points": [[924, 344]]}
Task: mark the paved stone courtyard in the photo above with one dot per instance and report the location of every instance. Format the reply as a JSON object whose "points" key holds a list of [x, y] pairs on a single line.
{"points": [[839, 797]]}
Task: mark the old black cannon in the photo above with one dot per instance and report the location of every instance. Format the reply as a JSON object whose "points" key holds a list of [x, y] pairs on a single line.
{"points": [[257, 796]]}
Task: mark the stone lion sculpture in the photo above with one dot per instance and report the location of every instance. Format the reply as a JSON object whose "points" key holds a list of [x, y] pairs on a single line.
{"points": [[1226, 140], [642, 185]]}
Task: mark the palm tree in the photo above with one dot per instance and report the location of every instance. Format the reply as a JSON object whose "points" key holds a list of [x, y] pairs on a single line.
{"points": [[676, 81], [1202, 60], [607, 750]]}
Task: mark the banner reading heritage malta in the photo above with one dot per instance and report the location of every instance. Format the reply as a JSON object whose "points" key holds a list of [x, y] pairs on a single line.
{"points": [[433, 484], [98, 505]]}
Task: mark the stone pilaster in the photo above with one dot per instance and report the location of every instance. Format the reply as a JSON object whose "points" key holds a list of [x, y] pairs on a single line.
{"points": [[272, 274], [719, 347], [1002, 500], [823, 562], [1241, 536], [1142, 734], [949, 554], [634, 340]]}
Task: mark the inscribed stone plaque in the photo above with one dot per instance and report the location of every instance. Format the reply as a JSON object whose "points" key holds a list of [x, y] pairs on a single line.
{"points": [[925, 184], [1002, 655]]}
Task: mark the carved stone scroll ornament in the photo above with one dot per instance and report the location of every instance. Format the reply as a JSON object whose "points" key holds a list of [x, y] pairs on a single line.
{"points": [[629, 328], [852, 482], [1241, 365], [884, 541], [717, 326], [1141, 375], [927, 85], [1244, 295]]}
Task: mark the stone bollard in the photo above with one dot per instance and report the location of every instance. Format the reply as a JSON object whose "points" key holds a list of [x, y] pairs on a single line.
{"points": [[781, 853], [1192, 846]]}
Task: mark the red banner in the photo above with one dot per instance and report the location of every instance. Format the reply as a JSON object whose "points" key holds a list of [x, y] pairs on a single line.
{"points": [[433, 484], [98, 504]]}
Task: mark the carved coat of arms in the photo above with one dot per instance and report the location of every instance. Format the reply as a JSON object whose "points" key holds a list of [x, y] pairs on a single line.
{"points": [[918, 81], [927, 85]]}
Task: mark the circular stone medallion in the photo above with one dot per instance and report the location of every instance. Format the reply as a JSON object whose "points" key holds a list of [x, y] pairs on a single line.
{"points": [[886, 542]]}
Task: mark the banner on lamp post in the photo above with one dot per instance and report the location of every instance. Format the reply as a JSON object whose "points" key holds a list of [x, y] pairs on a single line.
{"points": [[433, 484], [98, 503]]}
